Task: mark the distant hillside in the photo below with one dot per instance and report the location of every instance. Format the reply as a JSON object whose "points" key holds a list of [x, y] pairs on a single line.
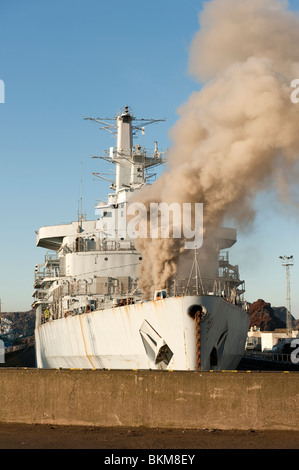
{"points": [[21, 320], [268, 318]]}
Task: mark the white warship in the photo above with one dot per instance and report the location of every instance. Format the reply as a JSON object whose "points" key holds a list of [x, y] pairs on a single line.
{"points": [[90, 312]]}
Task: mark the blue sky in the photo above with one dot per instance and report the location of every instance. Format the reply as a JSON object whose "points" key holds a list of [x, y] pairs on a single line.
{"points": [[61, 60]]}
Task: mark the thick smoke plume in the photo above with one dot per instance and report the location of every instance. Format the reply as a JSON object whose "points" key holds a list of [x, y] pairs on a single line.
{"points": [[240, 132]]}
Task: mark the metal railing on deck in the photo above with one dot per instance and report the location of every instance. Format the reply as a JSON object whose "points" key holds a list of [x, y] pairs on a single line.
{"points": [[44, 275], [269, 356], [85, 245]]}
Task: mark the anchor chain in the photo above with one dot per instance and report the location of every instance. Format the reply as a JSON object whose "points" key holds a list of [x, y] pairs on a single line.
{"points": [[197, 330]]}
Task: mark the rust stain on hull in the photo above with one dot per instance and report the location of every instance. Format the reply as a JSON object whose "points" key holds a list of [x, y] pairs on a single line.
{"points": [[84, 342]]}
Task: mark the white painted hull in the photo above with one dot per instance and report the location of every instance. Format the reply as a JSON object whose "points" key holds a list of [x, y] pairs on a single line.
{"points": [[111, 338]]}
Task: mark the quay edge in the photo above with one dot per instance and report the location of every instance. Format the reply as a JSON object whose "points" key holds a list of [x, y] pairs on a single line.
{"points": [[224, 400]]}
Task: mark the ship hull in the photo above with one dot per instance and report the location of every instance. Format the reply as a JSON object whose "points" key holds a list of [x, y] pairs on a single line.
{"points": [[150, 335]]}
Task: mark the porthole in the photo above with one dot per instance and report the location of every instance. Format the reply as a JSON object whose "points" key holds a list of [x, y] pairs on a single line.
{"points": [[106, 259]]}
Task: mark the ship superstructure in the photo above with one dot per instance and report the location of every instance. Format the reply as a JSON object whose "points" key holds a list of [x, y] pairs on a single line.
{"points": [[89, 309]]}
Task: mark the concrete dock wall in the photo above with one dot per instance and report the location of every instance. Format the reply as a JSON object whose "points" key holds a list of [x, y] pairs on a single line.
{"points": [[218, 400]]}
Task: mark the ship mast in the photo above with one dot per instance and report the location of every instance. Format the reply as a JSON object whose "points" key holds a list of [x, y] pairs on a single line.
{"points": [[195, 267], [124, 145], [130, 162]]}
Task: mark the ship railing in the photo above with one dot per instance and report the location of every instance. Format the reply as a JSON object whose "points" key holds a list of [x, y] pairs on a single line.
{"points": [[45, 274], [51, 256], [205, 286], [51, 260], [224, 257], [81, 245], [269, 356], [40, 294], [281, 357], [42, 276], [229, 276]]}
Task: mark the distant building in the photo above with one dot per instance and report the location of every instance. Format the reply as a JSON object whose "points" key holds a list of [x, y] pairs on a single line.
{"points": [[265, 340]]}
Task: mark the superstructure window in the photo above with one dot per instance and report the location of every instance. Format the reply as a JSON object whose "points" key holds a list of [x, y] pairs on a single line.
{"points": [[107, 214]]}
